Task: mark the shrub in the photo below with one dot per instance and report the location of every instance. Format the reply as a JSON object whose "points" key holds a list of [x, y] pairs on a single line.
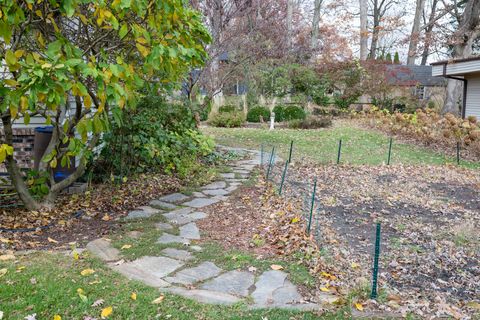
{"points": [[344, 101], [279, 113], [155, 136], [310, 123], [294, 113], [330, 111], [227, 108], [255, 113], [227, 119]]}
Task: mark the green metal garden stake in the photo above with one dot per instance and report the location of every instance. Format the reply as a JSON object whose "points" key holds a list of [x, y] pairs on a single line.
{"points": [[261, 155], [290, 153], [339, 151], [375, 263], [312, 205], [458, 152], [390, 151], [272, 155], [283, 178]]}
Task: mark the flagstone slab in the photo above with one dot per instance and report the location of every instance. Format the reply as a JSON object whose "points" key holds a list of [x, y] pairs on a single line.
{"points": [[103, 249], [267, 283], [183, 255], [174, 198], [162, 205], [149, 270], [204, 271], [190, 231], [227, 175], [235, 283], [215, 185], [162, 226], [286, 294], [150, 209], [231, 188], [178, 213], [187, 218], [198, 194], [215, 192], [167, 238], [139, 214], [204, 296], [200, 202]]}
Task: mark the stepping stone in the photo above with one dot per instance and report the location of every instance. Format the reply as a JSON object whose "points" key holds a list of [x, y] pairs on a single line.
{"points": [[150, 209], [162, 205], [177, 254], [201, 272], [174, 198], [134, 234], [204, 296], [149, 270], [220, 198], [288, 293], [138, 214], [190, 231], [232, 188], [167, 238], [198, 195], [186, 218], [215, 185], [200, 202], [267, 283], [163, 226], [215, 192], [241, 171], [177, 213], [104, 250], [228, 175], [234, 282]]}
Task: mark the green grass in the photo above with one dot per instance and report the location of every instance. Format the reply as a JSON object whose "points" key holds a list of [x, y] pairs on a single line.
{"points": [[48, 284], [359, 146]]}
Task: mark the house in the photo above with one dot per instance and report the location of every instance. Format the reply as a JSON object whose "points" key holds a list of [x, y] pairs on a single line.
{"points": [[418, 81], [465, 70]]}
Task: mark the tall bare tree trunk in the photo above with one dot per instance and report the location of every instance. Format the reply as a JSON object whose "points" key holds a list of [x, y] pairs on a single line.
{"points": [[363, 30], [375, 30], [414, 36], [289, 24], [428, 34], [316, 22], [463, 38]]}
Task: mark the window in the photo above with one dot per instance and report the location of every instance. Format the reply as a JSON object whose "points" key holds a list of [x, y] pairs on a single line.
{"points": [[419, 92]]}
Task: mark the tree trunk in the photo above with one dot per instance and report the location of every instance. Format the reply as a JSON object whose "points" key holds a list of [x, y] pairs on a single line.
{"points": [[428, 34], [463, 38], [289, 24], [375, 31], [363, 30], [414, 36], [316, 22]]}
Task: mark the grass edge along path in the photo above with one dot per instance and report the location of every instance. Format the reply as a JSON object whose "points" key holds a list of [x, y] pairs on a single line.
{"points": [[359, 146]]}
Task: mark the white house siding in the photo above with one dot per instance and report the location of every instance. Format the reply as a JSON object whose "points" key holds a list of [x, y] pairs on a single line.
{"points": [[461, 68], [473, 97], [437, 70]]}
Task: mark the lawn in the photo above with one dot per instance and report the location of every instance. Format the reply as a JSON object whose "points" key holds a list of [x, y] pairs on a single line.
{"points": [[359, 146]]}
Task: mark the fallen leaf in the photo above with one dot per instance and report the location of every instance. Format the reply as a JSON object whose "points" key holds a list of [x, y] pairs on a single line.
{"points": [[106, 217], [21, 268], [106, 312], [3, 272], [133, 296], [355, 265], [252, 269], [31, 317], [276, 267], [472, 304], [158, 300], [324, 289], [82, 295], [295, 220], [98, 303], [1, 315], [359, 306], [87, 272], [52, 240], [76, 256], [57, 317], [5, 240], [126, 246], [6, 257], [33, 281]]}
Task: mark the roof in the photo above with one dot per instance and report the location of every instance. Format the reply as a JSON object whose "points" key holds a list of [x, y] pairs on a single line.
{"points": [[412, 75], [473, 58]]}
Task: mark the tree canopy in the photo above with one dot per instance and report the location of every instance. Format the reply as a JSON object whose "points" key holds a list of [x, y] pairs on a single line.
{"points": [[77, 63]]}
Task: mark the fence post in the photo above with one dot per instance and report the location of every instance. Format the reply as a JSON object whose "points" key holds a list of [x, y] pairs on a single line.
{"points": [[339, 151], [270, 162], [283, 178], [290, 153], [375, 263], [312, 205], [458, 152], [261, 155], [390, 151]]}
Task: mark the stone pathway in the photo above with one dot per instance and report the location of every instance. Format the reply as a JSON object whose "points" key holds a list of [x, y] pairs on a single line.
{"points": [[206, 282]]}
